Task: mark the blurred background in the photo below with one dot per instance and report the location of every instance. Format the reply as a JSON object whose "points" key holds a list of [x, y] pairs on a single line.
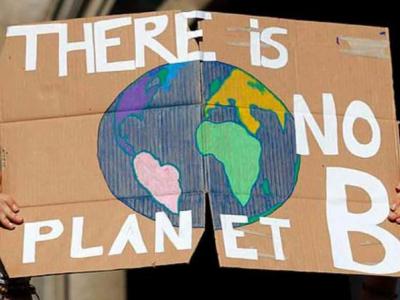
{"points": [[202, 277]]}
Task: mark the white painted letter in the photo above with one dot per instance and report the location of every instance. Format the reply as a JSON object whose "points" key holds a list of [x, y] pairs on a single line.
{"points": [[102, 43], [257, 59], [31, 33], [358, 109], [328, 142], [77, 251], [341, 221], [276, 224], [86, 44], [32, 235], [129, 232], [230, 236], [145, 38], [183, 240], [183, 36]]}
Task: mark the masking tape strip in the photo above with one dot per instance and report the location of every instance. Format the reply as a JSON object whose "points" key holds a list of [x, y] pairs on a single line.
{"points": [[364, 47]]}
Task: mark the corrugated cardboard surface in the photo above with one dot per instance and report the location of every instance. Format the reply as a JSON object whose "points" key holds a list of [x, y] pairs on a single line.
{"points": [[49, 130], [49, 133], [317, 64]]}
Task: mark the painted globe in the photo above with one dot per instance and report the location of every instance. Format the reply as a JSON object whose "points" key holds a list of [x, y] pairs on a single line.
{"points": [[181, 131]]}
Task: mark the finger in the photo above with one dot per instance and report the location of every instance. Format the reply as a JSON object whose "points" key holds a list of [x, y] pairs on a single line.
{"points": [[15, 207], [398, 220], [10, 202], [395, 205], [13, 217], [392, 217], [5, 222]]}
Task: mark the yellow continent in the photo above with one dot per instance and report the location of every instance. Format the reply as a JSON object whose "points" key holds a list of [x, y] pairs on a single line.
{"points": [[245, 91]]}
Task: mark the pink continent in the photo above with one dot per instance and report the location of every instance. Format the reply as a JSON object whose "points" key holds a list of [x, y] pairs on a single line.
{"points": [[162, 181]]}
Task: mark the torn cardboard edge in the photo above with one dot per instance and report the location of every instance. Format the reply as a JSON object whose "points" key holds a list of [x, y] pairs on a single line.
{"points": [[132, 255]]}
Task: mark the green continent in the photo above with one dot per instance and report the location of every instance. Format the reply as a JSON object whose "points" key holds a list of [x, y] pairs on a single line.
{"points": [[266, 188], [238, 152]]}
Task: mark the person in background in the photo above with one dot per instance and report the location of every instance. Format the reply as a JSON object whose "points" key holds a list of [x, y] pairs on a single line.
{"points": [[10, 218], [383, 288]]}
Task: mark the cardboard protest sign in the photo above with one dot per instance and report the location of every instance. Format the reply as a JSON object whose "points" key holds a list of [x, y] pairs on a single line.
{"points": [[326, 88], [114, 129], [58, 131]]}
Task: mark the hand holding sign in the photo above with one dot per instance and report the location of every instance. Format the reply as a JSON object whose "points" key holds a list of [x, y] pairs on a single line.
{"points": [[394, 215], [9, 210]]}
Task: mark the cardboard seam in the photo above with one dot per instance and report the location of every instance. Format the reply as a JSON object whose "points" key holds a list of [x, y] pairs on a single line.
{"points": [[105, 200], [206, 194], [172, 106]]}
